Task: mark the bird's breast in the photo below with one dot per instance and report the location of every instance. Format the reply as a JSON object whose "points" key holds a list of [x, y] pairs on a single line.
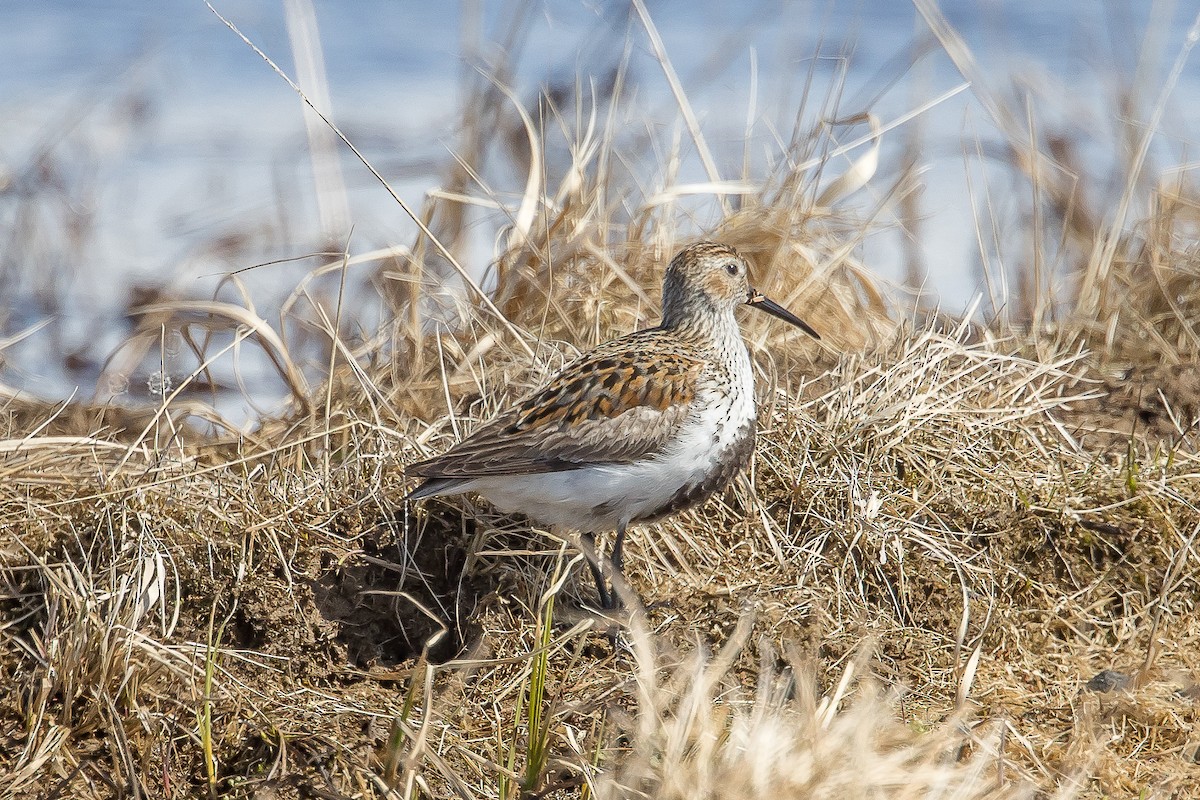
{"points": [[712, 446]]}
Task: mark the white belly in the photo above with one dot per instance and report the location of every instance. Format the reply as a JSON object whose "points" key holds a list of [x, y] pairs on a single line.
{"points": [[600, 498]]}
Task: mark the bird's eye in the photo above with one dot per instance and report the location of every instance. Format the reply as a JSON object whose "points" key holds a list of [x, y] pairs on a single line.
{"points": [[732, 268]]}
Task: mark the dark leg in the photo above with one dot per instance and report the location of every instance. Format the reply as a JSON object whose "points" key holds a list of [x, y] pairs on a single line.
{"points": [[589, 552], [618, 565], [618, 553]]}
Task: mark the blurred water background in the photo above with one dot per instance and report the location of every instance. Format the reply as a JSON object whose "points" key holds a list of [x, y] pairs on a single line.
{"points": [[146, 151]]}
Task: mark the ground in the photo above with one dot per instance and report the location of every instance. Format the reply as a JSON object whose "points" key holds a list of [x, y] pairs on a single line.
{"points": [[994, 552]]}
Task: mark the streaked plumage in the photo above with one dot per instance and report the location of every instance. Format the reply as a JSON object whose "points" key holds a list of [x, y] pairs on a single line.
{"points": [[640, 427]]}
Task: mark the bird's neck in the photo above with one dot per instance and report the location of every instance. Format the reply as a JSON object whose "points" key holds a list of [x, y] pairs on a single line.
{"points": [[715, 331]]}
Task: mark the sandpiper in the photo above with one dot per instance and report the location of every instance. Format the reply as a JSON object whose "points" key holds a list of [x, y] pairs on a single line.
{"points": [[641, 427]]}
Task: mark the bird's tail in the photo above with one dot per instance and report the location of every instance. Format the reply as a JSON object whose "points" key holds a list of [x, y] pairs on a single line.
{"points": [[433, 487]]}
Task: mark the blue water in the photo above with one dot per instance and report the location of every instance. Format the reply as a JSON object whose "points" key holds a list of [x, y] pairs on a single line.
{"points": [[168, 133]]}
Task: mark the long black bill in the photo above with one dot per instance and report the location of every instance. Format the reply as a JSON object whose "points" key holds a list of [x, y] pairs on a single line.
{"points": [[763, 303]]}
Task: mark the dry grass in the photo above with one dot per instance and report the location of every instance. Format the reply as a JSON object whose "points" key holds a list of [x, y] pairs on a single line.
{"points": [[964, 564]]}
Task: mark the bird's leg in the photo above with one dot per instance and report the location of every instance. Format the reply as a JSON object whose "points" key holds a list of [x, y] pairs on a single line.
{"points": [[618, 566], [588, 540]]}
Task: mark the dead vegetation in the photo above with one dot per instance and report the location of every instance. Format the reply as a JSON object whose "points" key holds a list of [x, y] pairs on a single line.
{"points": [[964, 564]]}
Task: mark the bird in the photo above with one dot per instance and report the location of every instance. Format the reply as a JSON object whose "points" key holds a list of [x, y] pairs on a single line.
{"points": [[639, 428]]}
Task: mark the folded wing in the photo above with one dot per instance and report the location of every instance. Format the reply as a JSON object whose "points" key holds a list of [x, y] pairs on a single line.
{"points": [[613, 405]]}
